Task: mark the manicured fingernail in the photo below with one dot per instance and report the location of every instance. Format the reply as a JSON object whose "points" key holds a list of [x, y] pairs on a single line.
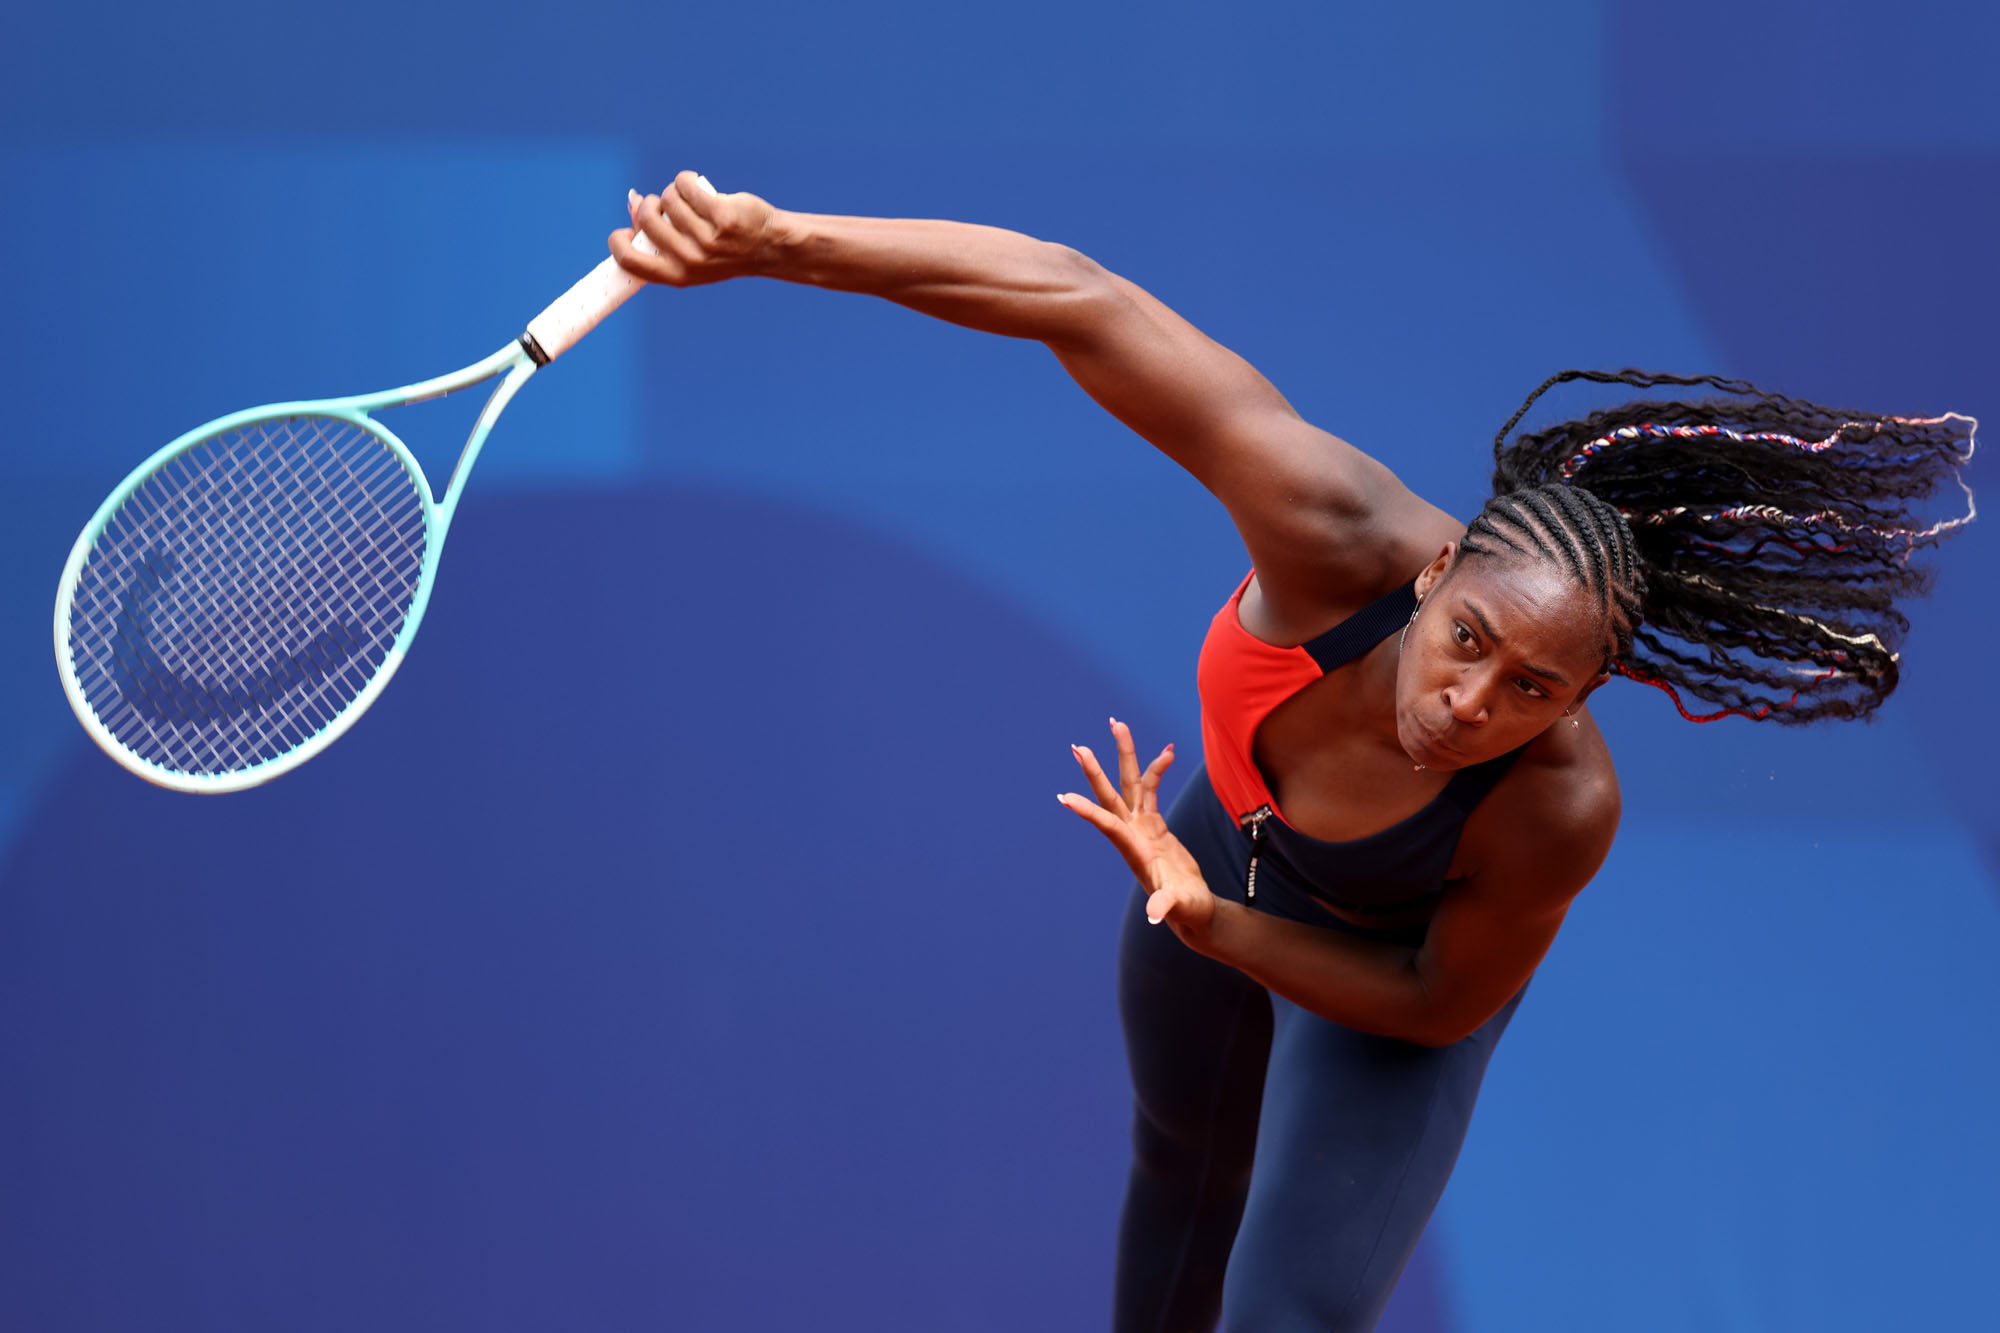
{"points": [[1170, 745], [1152, 920], [1114, 721], [1062, 799]]}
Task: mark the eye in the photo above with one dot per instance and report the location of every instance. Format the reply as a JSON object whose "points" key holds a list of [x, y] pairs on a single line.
{"points": [[1463, 633], [1529, 688]]}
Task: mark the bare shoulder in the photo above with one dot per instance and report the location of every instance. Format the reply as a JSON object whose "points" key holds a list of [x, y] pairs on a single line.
{"points": [[1549, 824], [1350, 531]]}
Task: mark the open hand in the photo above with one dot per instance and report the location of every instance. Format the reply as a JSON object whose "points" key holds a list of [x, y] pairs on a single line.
{"points": [[701, 236], [1175, 890]]}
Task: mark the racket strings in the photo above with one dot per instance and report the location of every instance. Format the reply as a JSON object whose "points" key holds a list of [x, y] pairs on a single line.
{"points": [[192, 699], [245, 594]]}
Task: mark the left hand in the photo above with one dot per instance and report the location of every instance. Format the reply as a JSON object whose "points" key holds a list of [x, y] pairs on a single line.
{"points": [[1175, 891]]}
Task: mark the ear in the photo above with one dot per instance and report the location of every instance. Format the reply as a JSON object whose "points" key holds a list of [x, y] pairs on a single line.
{"points": [[1435, 570], [1587, 691]]}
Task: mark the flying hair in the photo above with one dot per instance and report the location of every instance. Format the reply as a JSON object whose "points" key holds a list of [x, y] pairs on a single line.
{"points": [[1748, 549]]}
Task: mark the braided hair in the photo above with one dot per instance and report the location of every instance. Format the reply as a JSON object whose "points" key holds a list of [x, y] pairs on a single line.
{"points": [[1746, 550]]}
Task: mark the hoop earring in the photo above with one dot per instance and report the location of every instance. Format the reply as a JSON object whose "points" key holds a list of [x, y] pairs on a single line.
{"points": [[1403, 643]]}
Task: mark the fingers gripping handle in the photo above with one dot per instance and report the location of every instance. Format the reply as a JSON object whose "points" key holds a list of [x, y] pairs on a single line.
{"points": [[578, 310]]}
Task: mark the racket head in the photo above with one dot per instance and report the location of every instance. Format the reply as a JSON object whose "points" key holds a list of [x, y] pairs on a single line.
{"points": [[244, 594]]}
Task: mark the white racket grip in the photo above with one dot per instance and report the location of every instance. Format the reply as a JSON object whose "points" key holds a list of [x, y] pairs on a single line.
{"points": [[595, 295]]}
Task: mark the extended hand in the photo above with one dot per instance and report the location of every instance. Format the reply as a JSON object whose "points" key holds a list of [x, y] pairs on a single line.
{"points": [[1175, 890], [701, 236]]}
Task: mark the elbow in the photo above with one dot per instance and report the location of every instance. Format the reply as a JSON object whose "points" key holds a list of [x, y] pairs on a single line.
{"points": [[1435, 1023], [1089, 298], [1075, 269], [1439, 1035], [1435, 1027]]}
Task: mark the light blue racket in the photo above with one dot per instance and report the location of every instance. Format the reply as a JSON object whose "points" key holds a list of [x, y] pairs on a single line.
{"points": [[247, 592]]}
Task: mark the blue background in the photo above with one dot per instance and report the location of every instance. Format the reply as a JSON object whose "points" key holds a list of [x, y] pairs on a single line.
{"points": [[687, 939]]}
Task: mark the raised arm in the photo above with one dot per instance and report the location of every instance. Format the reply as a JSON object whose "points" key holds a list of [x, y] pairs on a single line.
{"points": [[1309, 506]]}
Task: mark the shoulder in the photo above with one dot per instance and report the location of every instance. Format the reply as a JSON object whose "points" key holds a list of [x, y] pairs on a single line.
{"points": [[1551, 821], [1360, 534]]}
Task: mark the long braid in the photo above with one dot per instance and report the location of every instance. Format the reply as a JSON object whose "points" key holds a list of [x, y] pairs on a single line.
{"points": [[1749, 550]]}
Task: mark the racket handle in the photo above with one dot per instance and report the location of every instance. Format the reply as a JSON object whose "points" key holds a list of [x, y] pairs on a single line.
{"points": [[580, 309]]}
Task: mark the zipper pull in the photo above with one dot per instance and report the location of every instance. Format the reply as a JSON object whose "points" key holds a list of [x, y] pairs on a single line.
{"points": [[1253, 824]]}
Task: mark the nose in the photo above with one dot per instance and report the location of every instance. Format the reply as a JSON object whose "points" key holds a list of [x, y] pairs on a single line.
{"points": [[1467, 703]]}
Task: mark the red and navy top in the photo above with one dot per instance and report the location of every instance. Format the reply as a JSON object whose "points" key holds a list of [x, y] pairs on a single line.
{"points": [[1242, 679]]}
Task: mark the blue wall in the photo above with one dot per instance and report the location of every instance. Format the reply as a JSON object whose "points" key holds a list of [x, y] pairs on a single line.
{"points": [[754, 981]]}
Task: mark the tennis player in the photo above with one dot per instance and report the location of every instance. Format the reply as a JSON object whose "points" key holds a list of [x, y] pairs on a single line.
{"points": [[1403, 788]]}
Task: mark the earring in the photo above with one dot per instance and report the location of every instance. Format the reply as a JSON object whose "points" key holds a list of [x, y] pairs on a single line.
{"points": [[1570, 713], [1404, 642]]}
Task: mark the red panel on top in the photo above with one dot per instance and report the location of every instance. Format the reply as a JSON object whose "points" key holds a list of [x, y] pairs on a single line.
{"points": [[1241, 679]]}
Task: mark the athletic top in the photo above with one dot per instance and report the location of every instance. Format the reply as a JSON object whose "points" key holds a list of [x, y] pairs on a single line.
{"points": [[1241, 680]]}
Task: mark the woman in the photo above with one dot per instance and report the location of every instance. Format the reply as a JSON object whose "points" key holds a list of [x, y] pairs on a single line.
{"points": [[1403, 786]]}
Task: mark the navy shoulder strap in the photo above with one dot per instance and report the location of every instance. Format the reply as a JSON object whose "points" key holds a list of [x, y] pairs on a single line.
{"points": [[1469, 786], [1364, 629]]}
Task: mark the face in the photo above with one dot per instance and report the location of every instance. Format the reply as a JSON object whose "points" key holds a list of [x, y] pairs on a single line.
{"points": [[1499, 648]]}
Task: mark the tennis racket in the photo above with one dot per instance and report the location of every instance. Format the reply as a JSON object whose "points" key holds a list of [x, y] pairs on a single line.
{"points": [[247, 592]]}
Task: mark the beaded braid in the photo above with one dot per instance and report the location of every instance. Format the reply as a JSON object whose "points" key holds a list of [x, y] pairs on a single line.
{"points": [[1749, 550]]}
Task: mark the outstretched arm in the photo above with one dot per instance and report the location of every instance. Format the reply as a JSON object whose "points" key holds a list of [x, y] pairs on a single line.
{"points": [[1305, 501]]}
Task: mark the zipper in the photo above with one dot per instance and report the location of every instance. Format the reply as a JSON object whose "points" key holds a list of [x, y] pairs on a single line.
{"points": [[1253, 824]]}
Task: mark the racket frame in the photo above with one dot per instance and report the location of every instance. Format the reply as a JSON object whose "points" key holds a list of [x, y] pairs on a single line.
{"points": [[558, 328], [514, 363]]}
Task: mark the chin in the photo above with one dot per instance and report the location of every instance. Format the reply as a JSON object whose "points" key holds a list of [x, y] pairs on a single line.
{"points": [[1416, 743]]}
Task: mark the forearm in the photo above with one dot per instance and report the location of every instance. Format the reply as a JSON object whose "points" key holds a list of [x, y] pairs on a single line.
{"points": [[984, 278], [1287, 484], [1369, 985]]}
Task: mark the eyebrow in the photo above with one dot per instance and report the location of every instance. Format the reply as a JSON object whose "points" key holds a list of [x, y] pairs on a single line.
{"points": [[1544, 672]]}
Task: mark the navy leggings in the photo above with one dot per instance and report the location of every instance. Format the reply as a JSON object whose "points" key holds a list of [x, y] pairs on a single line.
{"points": [[1283, 1165]]}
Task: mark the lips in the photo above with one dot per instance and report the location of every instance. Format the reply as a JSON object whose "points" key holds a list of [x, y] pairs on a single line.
{"points": [[1435, 744]]}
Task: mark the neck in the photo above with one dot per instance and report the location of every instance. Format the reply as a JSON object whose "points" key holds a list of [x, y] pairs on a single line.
{"points": [[1374, 697]]}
